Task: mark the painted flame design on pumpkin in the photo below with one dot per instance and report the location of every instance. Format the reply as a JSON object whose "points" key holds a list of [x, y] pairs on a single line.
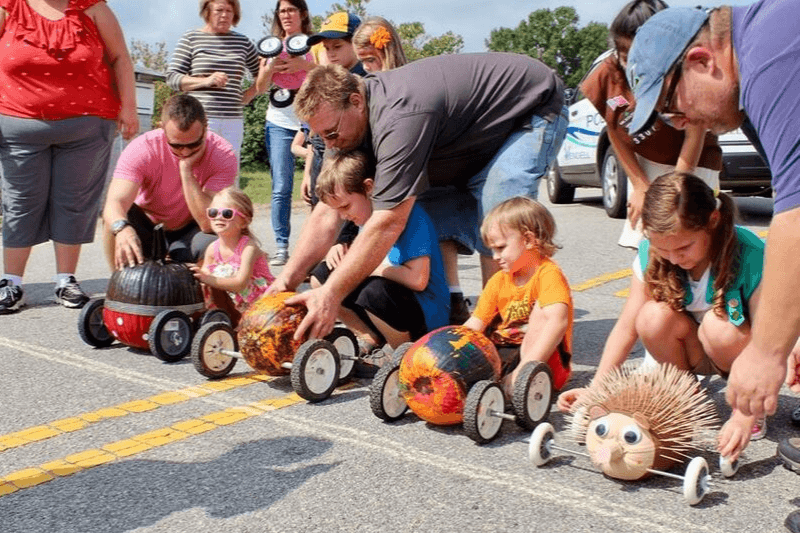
{"points": [[265, 333]]}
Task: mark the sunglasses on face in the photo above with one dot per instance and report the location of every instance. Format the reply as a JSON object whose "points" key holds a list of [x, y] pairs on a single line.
{"points": [[189, 146], [666, 114], [226, 213]]}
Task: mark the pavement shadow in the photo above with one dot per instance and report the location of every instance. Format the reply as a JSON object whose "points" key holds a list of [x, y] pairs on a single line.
{"points": [[135, 493]]}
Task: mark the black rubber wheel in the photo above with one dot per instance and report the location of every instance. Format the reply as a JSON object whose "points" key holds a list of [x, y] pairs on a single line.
{"points": [[346, 346], [297, 44], [170, 336], [214, 315], [615, 186], [558, 190], [280, 97], [484, 398], [315, 370], [269, 47], [400, 352], [533, 394], [91, 327], [208, 341], [796, 416], [385, 397]]}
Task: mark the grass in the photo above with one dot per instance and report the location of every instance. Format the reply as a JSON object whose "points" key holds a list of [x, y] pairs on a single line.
{"points": [[257, 183]]}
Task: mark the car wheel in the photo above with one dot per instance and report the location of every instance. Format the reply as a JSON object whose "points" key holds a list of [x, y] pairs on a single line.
{"points": [[558, 190], [615, 186]]}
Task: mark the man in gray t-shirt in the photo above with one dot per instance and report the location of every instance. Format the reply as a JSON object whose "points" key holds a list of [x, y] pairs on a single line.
{"points": [[489, 124]]}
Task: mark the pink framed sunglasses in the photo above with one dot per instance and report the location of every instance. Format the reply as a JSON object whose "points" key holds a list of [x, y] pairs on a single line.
{"points": [[227, 213]]}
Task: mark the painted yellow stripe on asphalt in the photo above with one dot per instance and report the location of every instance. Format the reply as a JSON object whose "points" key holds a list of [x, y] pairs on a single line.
{"points": [[69, 425], [623, 293], [602, 279], [30, 477]]}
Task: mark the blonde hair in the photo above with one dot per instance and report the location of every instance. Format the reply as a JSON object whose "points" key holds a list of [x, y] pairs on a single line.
{"points": [[205, 10], [524, 214], [343, 171], [680, 201], [239, 200], [386, 42], [331, 84]]}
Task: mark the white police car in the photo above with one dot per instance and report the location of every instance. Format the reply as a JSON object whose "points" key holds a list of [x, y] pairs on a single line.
{"points": [[586, 159]]}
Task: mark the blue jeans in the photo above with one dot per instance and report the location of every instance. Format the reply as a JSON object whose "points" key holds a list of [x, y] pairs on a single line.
{"points": [[281, 164], [515, 170]]}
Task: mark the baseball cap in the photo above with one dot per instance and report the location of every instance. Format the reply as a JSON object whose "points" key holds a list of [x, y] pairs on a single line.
{"points": [[337, 26], [657, 46]]}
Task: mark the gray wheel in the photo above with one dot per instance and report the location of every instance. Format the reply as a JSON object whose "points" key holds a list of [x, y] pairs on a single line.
{"points": [[400, 352], [695, 481], [346, 346], [558, 190], [170, 336], [615, 186], [206, 356], [539, 446], [385, 397], [214, 315], [91, 326], [483, 400], [315, 370], [533, 394]]}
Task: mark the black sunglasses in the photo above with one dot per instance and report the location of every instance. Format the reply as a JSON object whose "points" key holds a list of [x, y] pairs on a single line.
{"points": [[190, 146]]}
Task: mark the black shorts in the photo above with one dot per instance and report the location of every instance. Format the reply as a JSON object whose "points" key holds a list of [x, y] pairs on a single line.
{"points": [[388, 300], [185, 245]]}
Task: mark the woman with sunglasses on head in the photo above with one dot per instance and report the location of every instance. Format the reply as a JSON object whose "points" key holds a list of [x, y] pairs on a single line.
{"points": [[660, 148], [234, 262]]}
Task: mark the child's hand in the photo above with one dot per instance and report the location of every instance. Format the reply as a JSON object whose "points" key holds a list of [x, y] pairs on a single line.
{"points": [[735, 435], [335, 255], [793, 368], [568, 398], [199, 274]]}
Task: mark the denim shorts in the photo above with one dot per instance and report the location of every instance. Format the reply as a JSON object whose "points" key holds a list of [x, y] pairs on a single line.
{"points": [[515, 170], [53, 173]]}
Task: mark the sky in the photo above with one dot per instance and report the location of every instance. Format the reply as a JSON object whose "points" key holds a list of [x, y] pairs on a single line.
{"points": [[153, 21]]}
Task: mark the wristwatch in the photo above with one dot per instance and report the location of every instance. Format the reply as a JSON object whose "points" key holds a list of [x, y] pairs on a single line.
{"points": [[119, 225]]}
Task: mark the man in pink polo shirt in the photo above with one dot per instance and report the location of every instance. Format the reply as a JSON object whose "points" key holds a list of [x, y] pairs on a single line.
{"points": [[167, 176]]}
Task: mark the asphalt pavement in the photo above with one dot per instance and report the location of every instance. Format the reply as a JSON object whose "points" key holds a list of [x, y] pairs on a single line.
{"points": [[107, 440]]}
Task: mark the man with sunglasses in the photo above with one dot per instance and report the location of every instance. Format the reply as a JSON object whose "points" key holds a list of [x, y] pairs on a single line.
{"points": [[168, 176], [740, 67]]}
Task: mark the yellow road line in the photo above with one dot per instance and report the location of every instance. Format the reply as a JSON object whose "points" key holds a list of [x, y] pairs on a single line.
{"points": [[602, 279], [30, 477], [76, 423]]}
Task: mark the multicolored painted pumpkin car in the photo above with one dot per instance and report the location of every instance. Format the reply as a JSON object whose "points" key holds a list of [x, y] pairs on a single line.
{"points": [[265, 340], [451, 376], [156, 305]]}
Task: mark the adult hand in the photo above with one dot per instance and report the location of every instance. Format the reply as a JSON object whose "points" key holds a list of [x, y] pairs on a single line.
{"points": [[635, 205], [323, 308], [265, 72], [294, 64], [279, 285], [305, 189], [128, 122], [754, 382], [336, 254], [793, 369], [217, 79], [186, 164], [127, 248]]}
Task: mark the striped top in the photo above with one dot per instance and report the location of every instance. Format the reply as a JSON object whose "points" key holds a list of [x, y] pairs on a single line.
{"points": [[200, 54]]}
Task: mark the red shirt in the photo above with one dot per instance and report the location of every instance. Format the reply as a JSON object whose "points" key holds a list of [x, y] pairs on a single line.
{"points": [[54, 69]]}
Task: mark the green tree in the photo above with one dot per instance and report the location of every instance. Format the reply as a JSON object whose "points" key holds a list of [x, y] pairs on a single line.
{"points": [[418, 44], [153, 57], [554, 38]]}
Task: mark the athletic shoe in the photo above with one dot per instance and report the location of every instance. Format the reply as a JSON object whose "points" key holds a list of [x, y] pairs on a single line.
{"points": [[280, 257], [459, 309], [11, 297], [789, 451], [71, 295], [759, 430], [370, 361]]}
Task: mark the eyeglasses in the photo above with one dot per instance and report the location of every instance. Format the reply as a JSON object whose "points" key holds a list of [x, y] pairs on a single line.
{"points": [[189, 146], [226, 213], [666, 114], [288, 11], [333, 135]]}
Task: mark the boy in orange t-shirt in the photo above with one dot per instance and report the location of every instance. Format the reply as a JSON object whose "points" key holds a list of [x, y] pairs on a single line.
{"points": [[525, 309]]}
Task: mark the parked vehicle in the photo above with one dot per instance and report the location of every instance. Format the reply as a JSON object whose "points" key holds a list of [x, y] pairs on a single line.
{"points": [[587, 159]]}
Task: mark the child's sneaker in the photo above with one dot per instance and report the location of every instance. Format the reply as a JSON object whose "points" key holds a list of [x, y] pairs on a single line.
{"points": [[71, 295], [280, 257], [561, 365], [759, 429], [11, 297], [370, 360]]}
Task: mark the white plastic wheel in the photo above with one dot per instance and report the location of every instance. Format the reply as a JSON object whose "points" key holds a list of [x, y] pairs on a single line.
{"points": [[393, 401], [315, 370], [695, 481], [484, 399], [727, 467], [539, 446]]}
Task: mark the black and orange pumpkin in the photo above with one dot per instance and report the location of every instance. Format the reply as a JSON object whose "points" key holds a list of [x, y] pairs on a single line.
{"points": [[266, 332], [149, 305], [438, 370]]}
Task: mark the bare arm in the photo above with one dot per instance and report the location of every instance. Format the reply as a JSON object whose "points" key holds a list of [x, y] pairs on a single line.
{"points": [[413, 274], [637, 175], [692, 148], [121, 64], [127, 247], [236, 282], [757, 374], [197, 199], [2, 20]]}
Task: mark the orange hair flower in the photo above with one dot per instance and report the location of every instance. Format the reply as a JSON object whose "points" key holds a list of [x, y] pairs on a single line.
{"points": [[380, 38]]}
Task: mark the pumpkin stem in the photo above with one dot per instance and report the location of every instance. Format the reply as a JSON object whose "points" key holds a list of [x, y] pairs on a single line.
{"points": [[159, 243]]}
